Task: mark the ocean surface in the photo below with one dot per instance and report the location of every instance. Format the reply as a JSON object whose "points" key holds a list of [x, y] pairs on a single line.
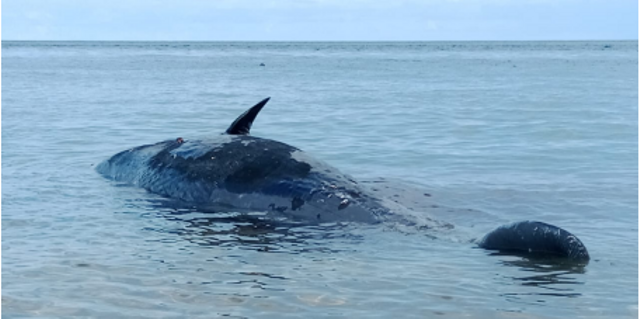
{"points": [[493, 132]]}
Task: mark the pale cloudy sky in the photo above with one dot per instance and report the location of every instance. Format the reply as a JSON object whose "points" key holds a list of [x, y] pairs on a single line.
{"points": [[319, 20]]}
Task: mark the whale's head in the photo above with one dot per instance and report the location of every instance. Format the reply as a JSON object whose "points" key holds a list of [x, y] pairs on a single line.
{"points": [[132, 164]]}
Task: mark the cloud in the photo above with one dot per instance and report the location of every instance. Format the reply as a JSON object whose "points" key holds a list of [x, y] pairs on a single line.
{"points": [[287, 20]]}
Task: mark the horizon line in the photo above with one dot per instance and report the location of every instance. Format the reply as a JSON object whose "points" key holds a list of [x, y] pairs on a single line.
{"points": [[327, 41]]}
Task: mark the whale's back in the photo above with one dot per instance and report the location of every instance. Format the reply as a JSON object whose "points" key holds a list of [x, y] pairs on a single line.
{"points": [[245, 172]]}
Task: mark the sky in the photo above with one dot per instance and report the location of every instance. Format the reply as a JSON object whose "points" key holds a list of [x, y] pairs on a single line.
{"points": [[319, 20]]}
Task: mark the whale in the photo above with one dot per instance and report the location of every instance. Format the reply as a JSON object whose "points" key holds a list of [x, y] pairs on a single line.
{"points": [[237, 171]]}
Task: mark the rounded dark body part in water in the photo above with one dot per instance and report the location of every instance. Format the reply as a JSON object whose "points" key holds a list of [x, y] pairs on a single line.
{"points": [[256, 174], [536, 238]]}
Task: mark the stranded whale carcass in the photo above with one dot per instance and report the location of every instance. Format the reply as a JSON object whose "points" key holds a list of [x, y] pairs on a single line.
{"points": [[250, 173]]}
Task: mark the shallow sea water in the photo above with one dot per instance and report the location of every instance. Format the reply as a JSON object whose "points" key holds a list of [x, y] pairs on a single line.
{"points": [[494, 132]]}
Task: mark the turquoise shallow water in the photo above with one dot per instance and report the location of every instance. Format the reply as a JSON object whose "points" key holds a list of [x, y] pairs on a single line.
{"points": [[495, 132]]}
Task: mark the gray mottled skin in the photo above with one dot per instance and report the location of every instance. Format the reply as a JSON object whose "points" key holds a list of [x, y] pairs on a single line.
{"points": [[246, 172], [252, 173]]}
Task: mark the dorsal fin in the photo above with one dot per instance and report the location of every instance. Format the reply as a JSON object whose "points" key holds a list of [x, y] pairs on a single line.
{"points": [[242, 125]]}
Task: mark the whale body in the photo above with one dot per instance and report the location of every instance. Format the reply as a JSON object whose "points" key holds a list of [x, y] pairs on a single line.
{"points": [[247, 173]]}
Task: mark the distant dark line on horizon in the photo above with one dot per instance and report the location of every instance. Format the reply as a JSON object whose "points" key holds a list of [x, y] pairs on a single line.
{"points": [[325, 41]]}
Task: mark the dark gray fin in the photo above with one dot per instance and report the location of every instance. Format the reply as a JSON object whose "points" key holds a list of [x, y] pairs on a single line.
{"points": [[535, 238], [242, 125]]}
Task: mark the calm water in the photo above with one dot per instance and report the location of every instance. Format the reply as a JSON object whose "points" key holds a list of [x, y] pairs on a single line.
{"points": [[495, 132]]}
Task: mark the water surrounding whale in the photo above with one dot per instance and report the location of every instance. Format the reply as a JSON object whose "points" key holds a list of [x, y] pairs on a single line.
{"points": [[245, 173]]}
